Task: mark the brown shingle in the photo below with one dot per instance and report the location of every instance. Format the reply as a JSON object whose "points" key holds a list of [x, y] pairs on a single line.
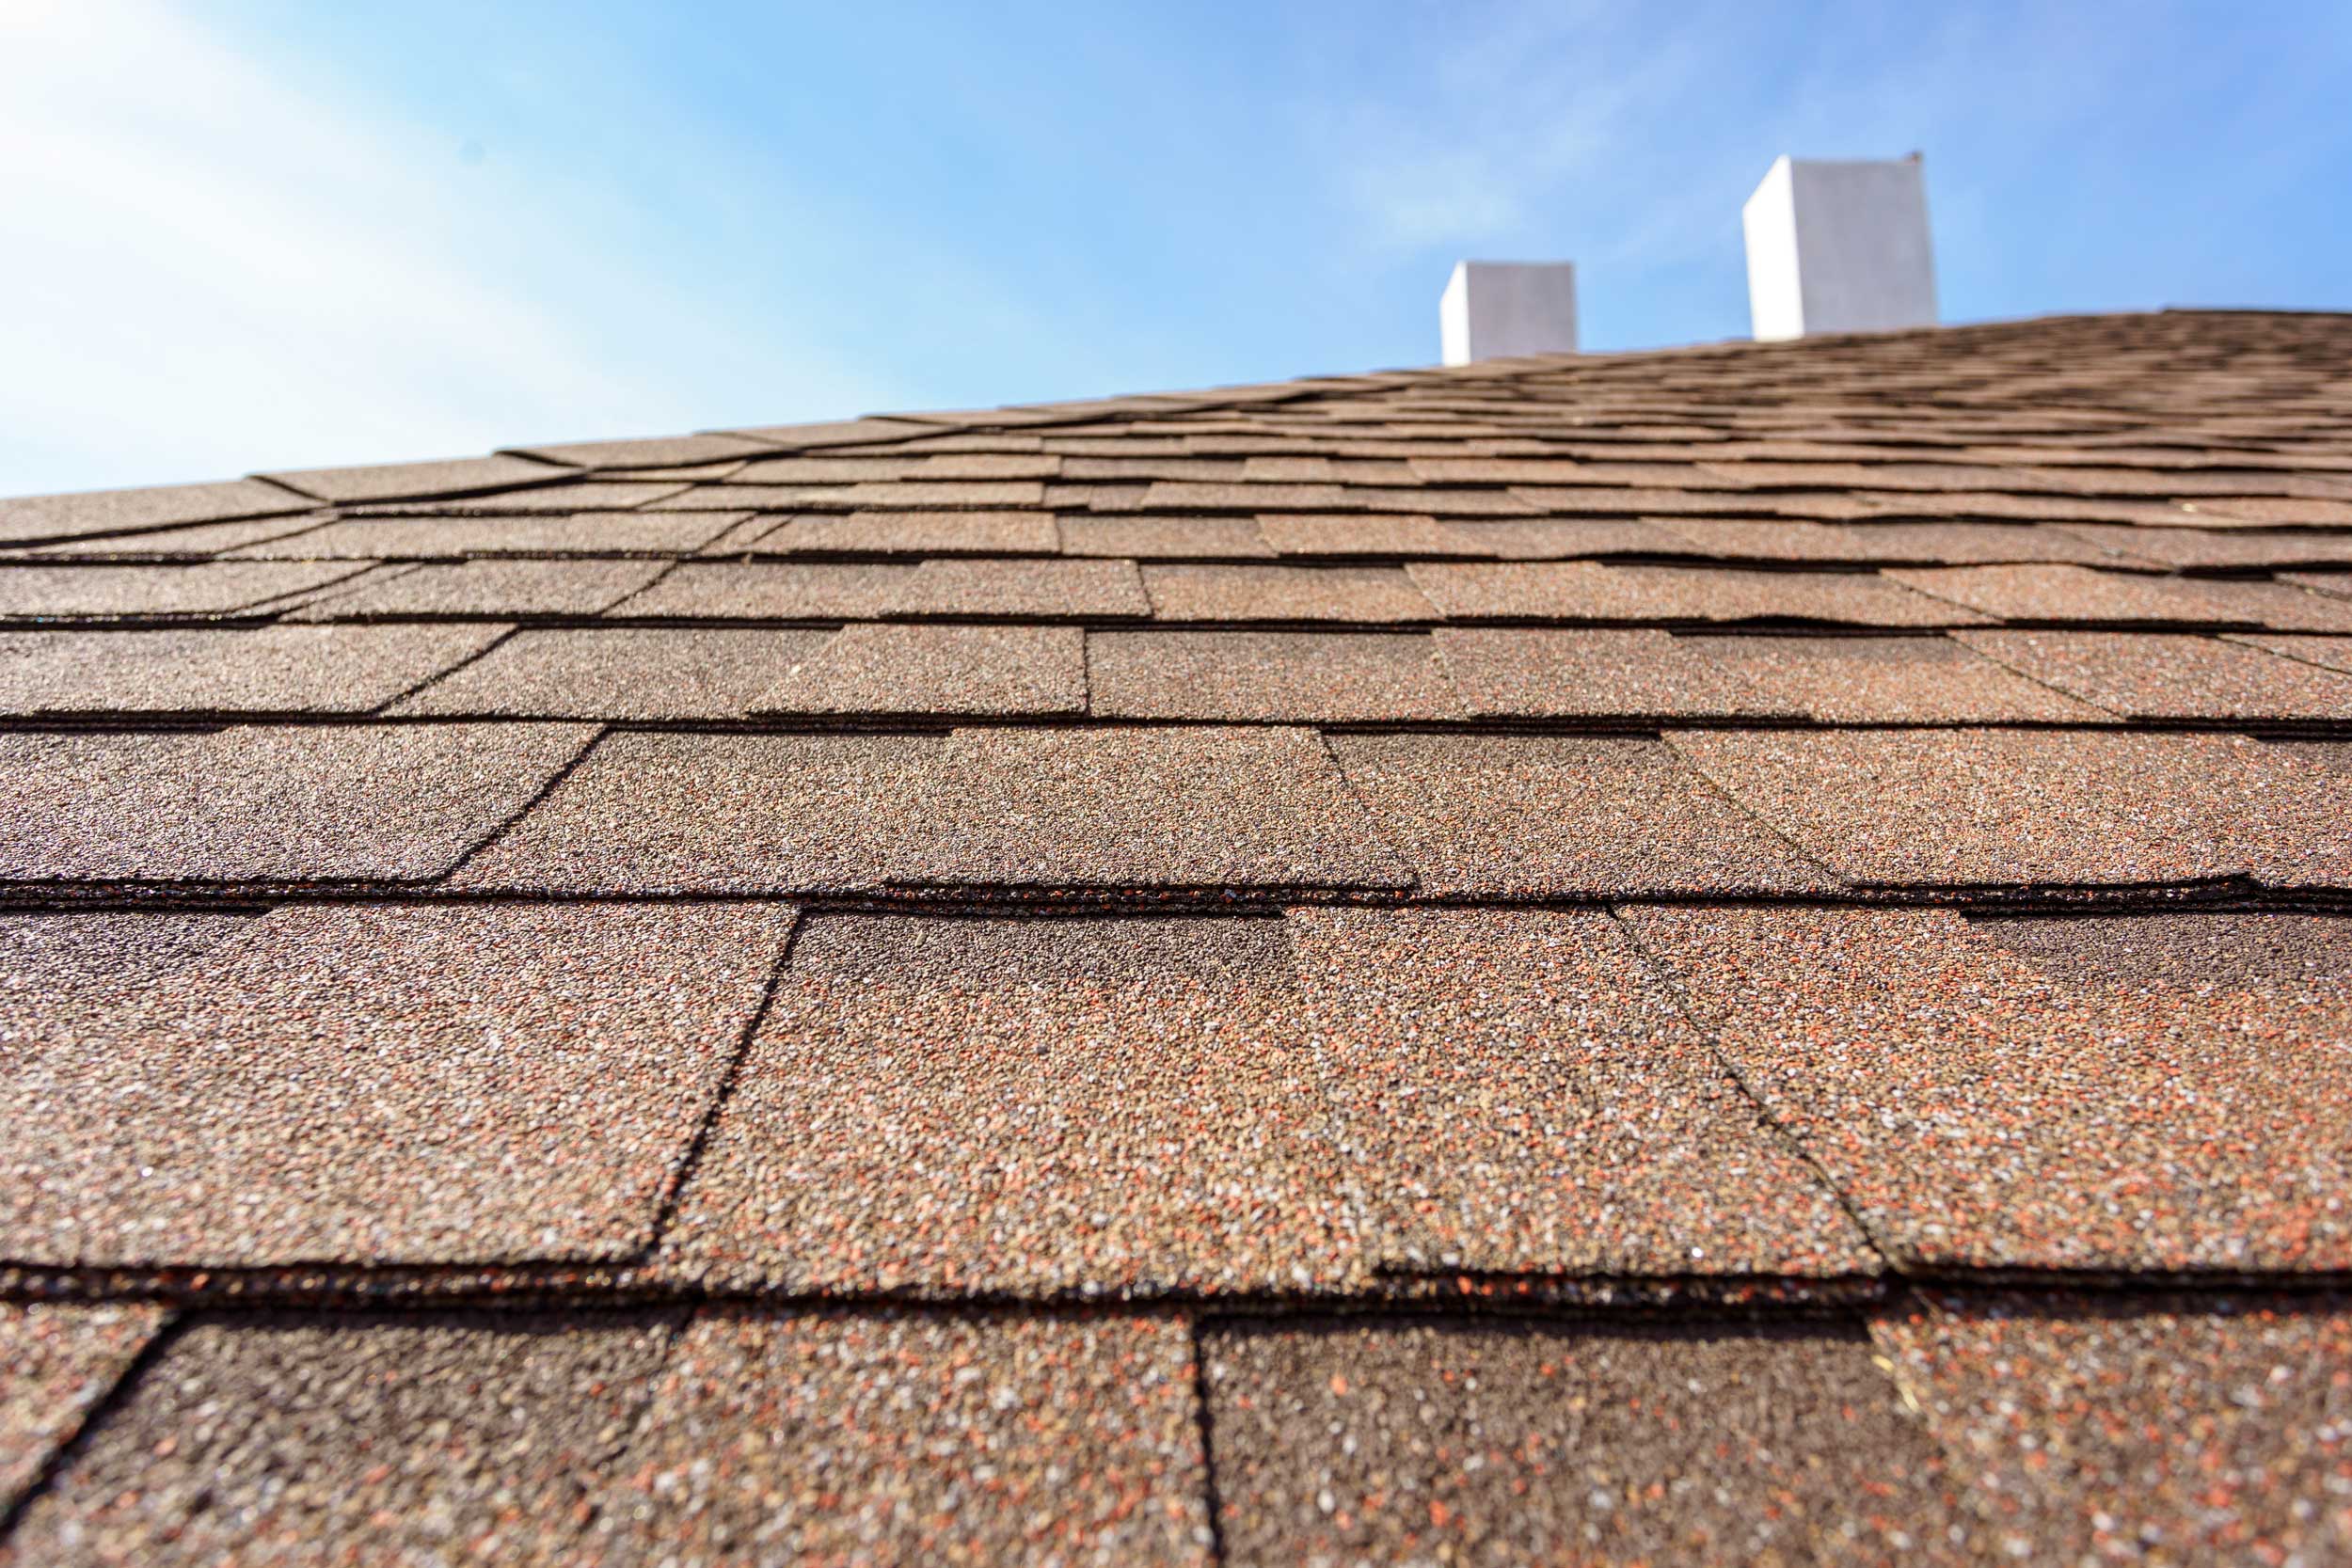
{"points": [[1511, 1093], [1336, 594], [370, 1085], [2079, 593], [2329, 653], [1781, 539], [397, 804], [114, 511], [667, 672], [2271, 512], [164, 592], [2143, 676], [1205, 537], [538, 500], [1000, 671], [456, 538], [53, 962], [340, 669], [2017, 806], [2197, 547], [916, 534], [659, 451], [1887, 680], [1105, 589], [61, 1362], [456, 476], [1588, 591], [2198, 1429], [1506, 1444], [1549, 816], [1288, 677], [1538, 674], [479, 588], [719, 814], [378, 1437], [1144, 807], [765, 591], [952, 495], [194, 541], [1054, 1107], [2150, 1092], [898, 1438], [833, 433]]}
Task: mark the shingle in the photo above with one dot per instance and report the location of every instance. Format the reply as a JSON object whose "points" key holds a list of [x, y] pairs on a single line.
{"points": [[1616, 501], [2197, 547], [340, 669], [1548, 816], [893, 495], [2079, 593], [668, 672], [1179, 495], [2335, 584], [2144, 675], [2017, 806], [897, 1439], [504, 588], [917, 533], [373, 1437], [212, 589], [1587, 591], [766, 590], [1512, 1094], [2156, 1092], [400, 803], [456, 538], [1207, 537], [988, 464], [1887, 680], [2184, 1429], [1144, 807], [365, 1085], [2174, 485], [1363, 533], [660, 452], [194, 540], [113, 511], [1288, 677], [719, 814], [1004, 671], [894, 464], [1374, 594], [2330, 653], [1781, 539], [1538, 673], [2049, 508], [50, 964], [732, 496], [1043, 1107], [835, 432], [1563, 538], [455, 476], [61, 1362], [538, 500], [1513, 1443], [1023, 588], [2271, 512]]}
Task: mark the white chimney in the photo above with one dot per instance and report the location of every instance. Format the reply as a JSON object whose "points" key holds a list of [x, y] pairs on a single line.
{"points": [[1494, 310], [1839, 247]]}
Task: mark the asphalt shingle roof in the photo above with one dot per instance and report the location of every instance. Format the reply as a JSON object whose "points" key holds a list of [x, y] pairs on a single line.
{"points": [[1729, 953]]}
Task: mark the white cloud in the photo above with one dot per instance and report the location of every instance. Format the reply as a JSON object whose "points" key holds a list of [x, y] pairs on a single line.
{"points": [[208, 265]]}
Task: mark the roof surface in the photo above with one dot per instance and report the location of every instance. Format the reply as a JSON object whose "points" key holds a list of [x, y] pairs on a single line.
{"points": [[1741, 954]]}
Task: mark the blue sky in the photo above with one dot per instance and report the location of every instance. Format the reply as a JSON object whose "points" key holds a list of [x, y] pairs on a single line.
{"points": [[251, 235]]}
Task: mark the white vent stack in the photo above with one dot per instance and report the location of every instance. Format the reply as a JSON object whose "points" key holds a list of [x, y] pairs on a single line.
{"points": [[1495, 310], [1839, 247]]}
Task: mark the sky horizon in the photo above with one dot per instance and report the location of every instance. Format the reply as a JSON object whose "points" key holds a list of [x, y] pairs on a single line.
{"points": [[247, 234]]}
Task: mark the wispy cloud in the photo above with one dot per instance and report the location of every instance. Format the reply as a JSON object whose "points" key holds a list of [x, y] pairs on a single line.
{"points": [[210, 265]]}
